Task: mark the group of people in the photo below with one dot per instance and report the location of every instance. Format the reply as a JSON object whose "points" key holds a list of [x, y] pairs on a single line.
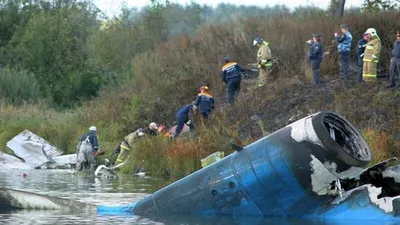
{"points": [[88, 145], [368, 52]]}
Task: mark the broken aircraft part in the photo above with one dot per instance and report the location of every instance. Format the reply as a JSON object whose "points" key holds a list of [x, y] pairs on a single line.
{"points": [[312, 168], [16, 199], [34, 152], [9, 162], [33, 149]]}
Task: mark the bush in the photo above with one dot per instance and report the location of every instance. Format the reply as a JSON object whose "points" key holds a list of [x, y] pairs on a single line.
{"points": [[18, 85]]}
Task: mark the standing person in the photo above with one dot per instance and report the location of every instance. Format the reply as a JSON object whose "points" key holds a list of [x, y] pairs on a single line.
{"points": [[315, 55], [395, 62], [264, 60], [371, 55], [361, 44], [231, 76], [205, 102], [87, 148], [343, 47], [182, 116]]}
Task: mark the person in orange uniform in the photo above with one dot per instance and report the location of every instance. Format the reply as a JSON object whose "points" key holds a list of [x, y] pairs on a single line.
{"points": [[205, 102]]}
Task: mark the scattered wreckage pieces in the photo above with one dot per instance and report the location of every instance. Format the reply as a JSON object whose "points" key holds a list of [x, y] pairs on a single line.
{"points": [[35, 153], [16, 199], [105, 172], [10, 162]]}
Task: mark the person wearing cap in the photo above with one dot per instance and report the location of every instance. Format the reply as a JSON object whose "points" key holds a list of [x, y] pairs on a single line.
{"points": [[182, 116], [231, 77], [395, 62], [264, 60], [315, 55], [129, 142], [205, 102], [361, 44], [371, 55], [343, 47], [87, 150]]}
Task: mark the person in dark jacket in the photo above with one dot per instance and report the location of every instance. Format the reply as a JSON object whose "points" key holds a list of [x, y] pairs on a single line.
{"points": [[182, 116], [231, 76], [361, 44], [87, 150], [205, 102], [395, 62], [315, 55], [344, 46]]}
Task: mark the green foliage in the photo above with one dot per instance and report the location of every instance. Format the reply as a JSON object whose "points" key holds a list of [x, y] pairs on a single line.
{"points": [[59, 58], [18, 86], [378, 5]]}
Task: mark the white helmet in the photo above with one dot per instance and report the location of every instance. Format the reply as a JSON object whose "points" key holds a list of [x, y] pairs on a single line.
{"points": [[371, 31], [153, 126], [93, 128]]}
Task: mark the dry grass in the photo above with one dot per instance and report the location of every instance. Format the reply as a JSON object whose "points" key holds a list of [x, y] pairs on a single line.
{"points": [[380, 143]]}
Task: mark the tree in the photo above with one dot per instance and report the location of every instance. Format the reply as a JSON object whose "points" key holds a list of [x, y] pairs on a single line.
{"points": [[378, 5], [54, 46], [337, 8]]}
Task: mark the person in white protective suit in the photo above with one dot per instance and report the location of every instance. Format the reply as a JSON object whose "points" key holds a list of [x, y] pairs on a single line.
{"points": [[87, 150]]}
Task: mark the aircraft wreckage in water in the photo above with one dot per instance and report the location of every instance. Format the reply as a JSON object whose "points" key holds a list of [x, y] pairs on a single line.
{"points": [[312, 168]]}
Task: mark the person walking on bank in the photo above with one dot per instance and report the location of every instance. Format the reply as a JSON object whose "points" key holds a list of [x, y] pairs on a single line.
{"points": [[395, 63], [231, 77], [315, 55], [343, 47], [371, 55], [264, 60], [361, 44]]}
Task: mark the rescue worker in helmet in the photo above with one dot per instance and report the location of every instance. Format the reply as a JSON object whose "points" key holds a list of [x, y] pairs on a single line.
{"points": [[205, 102], [232, 78], [371, 55], [130, 140], [87, 150], [395, 63], [315, 55], [264, 60]]}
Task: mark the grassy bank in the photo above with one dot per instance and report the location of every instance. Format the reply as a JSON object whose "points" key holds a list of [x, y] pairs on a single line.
{"points": [[168, 76]]}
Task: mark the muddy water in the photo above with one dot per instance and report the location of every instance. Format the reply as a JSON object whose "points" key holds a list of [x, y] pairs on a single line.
{"points": [[127, 189]]}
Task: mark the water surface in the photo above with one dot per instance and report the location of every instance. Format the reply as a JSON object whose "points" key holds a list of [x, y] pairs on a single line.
{"points": [[122, 191]]}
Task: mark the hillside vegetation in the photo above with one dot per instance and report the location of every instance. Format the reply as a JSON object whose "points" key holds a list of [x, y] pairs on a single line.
{"points": [[65, 70]]}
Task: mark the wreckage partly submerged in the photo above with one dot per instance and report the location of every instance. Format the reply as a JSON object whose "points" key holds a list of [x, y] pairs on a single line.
{"points": [[313, 168]]}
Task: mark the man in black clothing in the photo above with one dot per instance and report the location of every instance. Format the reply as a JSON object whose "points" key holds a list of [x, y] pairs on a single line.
{"points": [[362, 43]]}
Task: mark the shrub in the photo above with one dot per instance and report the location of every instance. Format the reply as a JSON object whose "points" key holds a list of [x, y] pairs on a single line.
{"points": [[18, 85]]}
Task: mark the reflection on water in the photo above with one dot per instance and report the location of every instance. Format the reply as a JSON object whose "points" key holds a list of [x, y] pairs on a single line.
{"points": [[122, 191]]}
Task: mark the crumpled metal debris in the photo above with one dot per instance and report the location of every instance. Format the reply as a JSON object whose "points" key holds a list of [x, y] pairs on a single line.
{"points": [[33, 152]]}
